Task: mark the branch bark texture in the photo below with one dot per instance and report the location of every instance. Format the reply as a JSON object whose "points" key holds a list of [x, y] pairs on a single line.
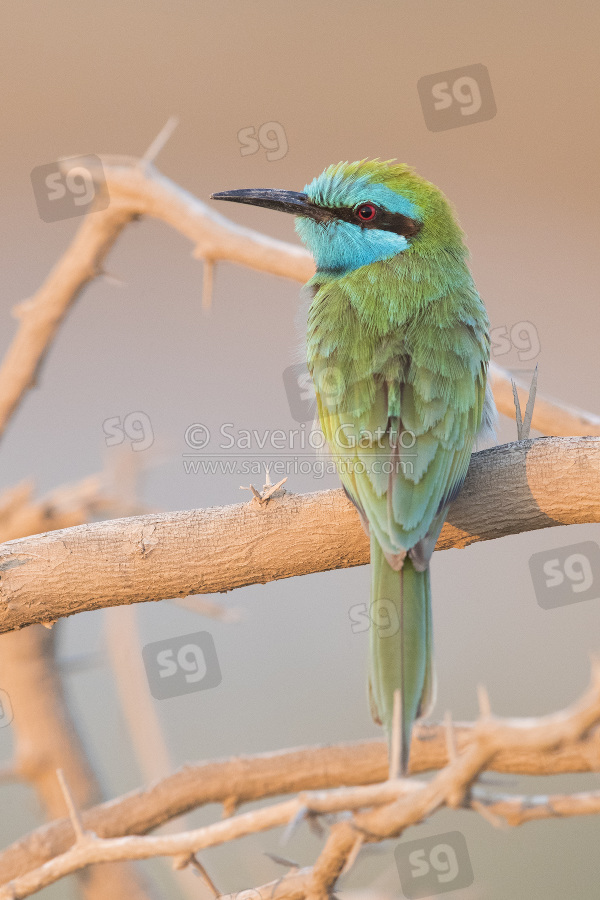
{"points": [[509, 489]]}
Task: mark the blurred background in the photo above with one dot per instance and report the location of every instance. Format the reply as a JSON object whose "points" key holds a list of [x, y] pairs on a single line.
{"points": [[339, 81]]}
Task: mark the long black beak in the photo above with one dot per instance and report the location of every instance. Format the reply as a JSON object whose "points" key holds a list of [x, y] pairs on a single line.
{"points": [[284, 201]]}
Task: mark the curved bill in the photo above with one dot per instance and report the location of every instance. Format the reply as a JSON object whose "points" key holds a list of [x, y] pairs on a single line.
{"points": [[284, 201]]}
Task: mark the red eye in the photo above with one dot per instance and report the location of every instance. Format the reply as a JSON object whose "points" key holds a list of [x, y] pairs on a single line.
{"points": [[366, 212]]}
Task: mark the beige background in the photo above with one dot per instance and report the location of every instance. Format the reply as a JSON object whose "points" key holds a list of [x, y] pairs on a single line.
{"points": [[341, 79]]}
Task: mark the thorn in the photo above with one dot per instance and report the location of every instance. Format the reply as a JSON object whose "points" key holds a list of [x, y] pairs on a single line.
{"points": [[251, 488], [160, 140], [114, 280], [524, 425], [281, 861], [274, 487], [201, 871], [267, 494], [293, 824], [230, 804], [517, 410], [268, 481], [315, 826], [450, 737], [353, 854], [396, 737], [491, 817], [530, 405], [485, 709], [207, 284], [74, 816]]}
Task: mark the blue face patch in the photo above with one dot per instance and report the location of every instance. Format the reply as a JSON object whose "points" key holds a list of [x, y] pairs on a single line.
{"points": [[342, 247]]}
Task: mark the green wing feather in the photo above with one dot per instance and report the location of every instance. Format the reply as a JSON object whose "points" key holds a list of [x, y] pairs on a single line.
{"points": [[399, 365]]}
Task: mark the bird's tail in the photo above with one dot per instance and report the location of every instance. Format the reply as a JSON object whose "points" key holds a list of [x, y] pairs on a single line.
{"points": [[400, 645]]}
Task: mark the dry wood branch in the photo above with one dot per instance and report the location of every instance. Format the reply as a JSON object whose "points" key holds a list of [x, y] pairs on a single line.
{"points": [[452, 787], [509, 489], [41, 316], [141, 718], [46, 738], [64, 507], [518, 810], [137, 188], [381, 811], [274, 774], [527, 473], [45, 734]]}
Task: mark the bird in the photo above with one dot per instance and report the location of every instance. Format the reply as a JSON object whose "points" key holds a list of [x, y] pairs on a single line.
{"points": [[398, 347]]}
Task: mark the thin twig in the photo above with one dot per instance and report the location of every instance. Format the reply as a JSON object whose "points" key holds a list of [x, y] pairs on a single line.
{"points": [[391, 806], [80, 833], [160, 140]]}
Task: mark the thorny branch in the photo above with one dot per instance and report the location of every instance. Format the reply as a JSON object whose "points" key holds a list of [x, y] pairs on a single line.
{"points": [[509, 489], [565, 742], [379, 811], [136, 188]]}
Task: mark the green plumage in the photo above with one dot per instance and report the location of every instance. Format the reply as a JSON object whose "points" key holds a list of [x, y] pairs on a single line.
{"points": [[398, 349], [400, 661]]}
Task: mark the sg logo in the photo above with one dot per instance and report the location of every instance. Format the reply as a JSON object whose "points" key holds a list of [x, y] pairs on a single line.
{"points": [[300, 390], [271, 136], [136, 426], [67, 188], [181, 665], [434, 865], [567, 575], [383, 616], [522, 337], [457, 97]]}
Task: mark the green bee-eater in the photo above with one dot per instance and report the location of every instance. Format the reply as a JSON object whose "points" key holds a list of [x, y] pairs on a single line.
{"points": [[398, 349]]}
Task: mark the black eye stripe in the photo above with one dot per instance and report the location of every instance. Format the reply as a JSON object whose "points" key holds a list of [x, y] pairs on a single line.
{"points": [[384, 220]]}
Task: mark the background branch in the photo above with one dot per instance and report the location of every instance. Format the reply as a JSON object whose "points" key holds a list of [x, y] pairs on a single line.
{"points": [[137, 188], [380, 812], [46, 738], [245, 779]]}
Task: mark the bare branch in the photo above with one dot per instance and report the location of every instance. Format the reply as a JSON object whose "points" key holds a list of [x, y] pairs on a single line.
{"points": [[509, 489], [137, 189], [64, 507], [314, 769], [45, 735]]}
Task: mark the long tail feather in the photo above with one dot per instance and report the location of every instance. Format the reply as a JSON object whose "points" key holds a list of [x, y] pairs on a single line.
{"points": [[400, 645]]}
